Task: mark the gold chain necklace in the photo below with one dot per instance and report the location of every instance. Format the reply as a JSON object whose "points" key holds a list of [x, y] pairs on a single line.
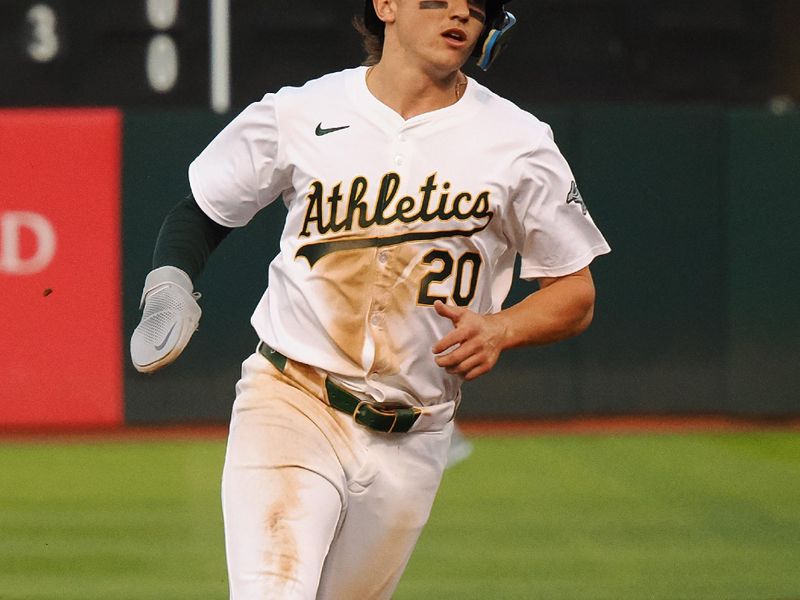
{"points": [[460, 85]]}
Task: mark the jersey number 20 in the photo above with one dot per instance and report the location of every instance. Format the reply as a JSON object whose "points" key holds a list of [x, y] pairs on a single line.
{"points": [[468, 265]]}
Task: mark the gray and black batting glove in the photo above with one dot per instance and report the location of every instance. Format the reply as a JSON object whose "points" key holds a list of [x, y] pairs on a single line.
{"points": [[171, 315]]}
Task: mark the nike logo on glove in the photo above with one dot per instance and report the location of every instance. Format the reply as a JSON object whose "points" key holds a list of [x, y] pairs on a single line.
{"points": [[320, 131], [166, 338]]}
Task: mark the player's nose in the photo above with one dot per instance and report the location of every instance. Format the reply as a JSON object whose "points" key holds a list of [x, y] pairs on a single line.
{"points": [[459, 9]]}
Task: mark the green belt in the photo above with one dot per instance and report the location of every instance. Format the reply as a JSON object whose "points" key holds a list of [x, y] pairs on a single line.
{"points": [[368, 414]]}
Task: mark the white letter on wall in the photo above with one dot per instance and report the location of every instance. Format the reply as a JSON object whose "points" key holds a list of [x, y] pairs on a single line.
{"points": [[11, 223]]}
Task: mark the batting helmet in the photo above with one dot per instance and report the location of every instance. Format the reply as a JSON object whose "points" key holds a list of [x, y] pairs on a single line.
{"points": [[493, 39]]}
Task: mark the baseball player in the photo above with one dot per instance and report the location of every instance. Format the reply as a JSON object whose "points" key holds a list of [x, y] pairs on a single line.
{"points": [[410, 189]]}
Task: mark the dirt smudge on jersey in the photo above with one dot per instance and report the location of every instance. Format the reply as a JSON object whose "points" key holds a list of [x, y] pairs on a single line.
{"points": [[345, 280], [398, 280], [282, 557], [384, 282], [406, 273]]}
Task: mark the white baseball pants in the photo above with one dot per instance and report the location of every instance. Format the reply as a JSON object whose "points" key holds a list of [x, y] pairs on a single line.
{"points": [[315, 505]]}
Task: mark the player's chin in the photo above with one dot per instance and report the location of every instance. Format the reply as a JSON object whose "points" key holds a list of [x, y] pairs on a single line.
{"points": [[452, 58]]}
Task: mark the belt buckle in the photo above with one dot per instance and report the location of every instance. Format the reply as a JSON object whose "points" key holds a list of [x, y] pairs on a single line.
{"points": [[375, 410], [384, 413]]}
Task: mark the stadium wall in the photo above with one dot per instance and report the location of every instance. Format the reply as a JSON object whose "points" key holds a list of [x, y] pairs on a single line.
{"points": [[696, 310]]}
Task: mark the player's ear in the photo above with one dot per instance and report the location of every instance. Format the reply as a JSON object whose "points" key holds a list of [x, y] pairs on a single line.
{"points": [[386, 10]]}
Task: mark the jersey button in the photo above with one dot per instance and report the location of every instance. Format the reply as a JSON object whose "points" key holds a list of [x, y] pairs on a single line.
{"points": [[398, 160], [375, 320], [383, 257]]}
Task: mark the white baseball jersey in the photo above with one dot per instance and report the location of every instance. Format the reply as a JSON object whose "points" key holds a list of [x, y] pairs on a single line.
{"points": [[387, 215]]}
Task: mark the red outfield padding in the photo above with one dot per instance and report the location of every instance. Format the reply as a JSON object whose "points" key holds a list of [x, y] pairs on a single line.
{"points": [[60, 304]]}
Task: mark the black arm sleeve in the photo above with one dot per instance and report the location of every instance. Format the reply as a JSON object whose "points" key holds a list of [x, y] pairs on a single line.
{"points": [[187, 238]]}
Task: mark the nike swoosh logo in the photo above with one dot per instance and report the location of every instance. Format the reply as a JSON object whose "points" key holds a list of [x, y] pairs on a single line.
{"points": [[320, 131], [166, 338]]}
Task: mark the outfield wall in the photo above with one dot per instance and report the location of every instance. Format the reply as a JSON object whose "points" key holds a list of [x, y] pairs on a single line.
{"points": [[697, 304], [60, 306]]}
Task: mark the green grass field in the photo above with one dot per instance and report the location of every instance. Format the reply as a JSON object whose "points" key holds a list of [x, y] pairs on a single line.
{"points": [[573, 517]]}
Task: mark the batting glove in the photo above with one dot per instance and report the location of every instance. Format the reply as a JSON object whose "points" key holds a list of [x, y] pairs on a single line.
{"points": [[170, 317]]}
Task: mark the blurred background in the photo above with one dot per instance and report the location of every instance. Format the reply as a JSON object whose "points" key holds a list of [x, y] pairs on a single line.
{"points": [[678, 118]]}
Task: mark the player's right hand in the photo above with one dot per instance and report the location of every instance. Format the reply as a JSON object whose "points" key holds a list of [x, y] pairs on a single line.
{"points": [[171, 315], [473, 347]]}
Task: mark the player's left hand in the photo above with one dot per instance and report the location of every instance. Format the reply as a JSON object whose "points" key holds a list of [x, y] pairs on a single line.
{"points": [[171, 315], [476, 341]]}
